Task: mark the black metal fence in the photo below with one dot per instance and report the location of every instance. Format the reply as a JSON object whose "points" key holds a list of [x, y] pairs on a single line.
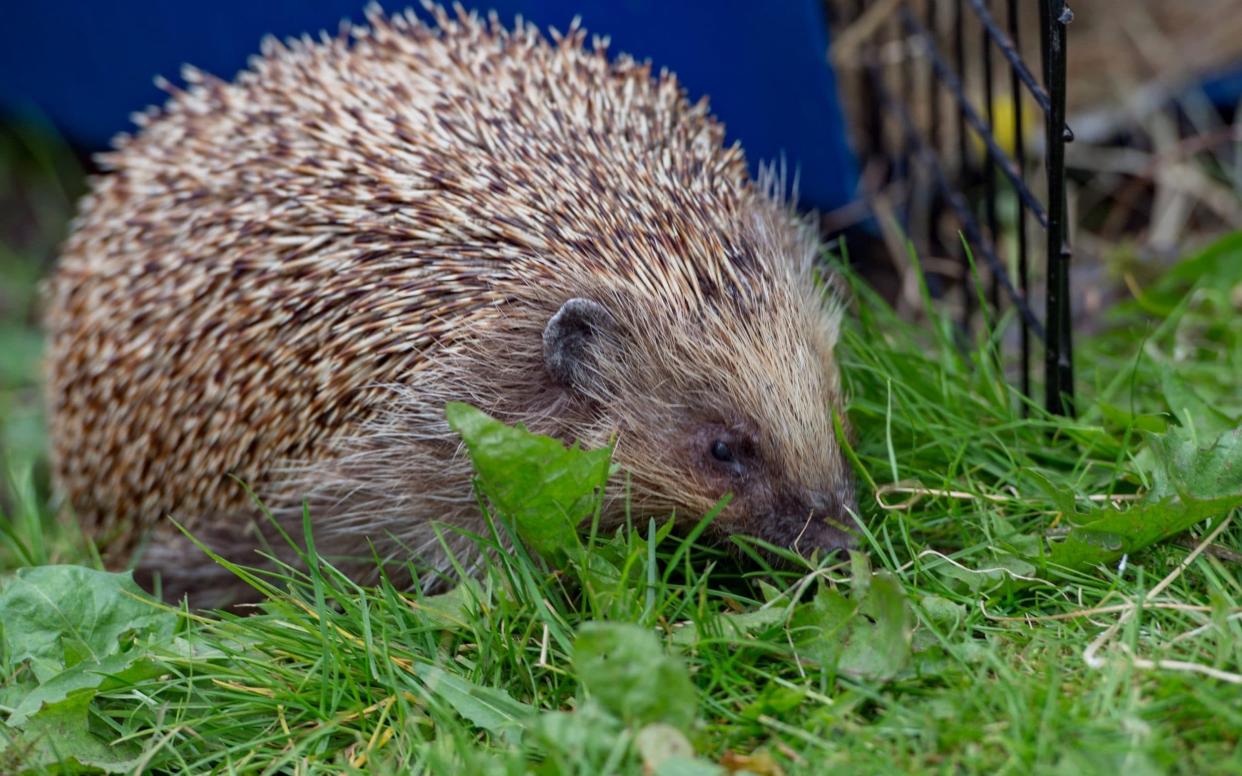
{"points": [[931, 77]]}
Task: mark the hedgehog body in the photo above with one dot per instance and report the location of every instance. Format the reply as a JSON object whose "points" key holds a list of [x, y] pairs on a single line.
{"points": [[280, 281]]}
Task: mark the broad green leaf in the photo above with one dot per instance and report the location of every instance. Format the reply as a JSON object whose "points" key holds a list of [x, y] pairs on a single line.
{"points": [[659, 742], [56, 615], [941, 618], [545, 488], [864, 638], [84, 680], [80, 631], [587, 735], [680, 765], [1195, 472], [774, 700], [729, 626], [59, 740], [490, 708], [624, 667], [1124, 418], [1191, 409], [988, 572], [770, 591], [451, 610], [1060, 493], [942, 612], [821, 627], [1190, 483], [879, 644]]}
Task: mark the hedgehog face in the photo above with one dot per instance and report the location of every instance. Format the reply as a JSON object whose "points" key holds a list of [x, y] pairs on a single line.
{"points": [[771, 499], [760, 428], [711, 405]]}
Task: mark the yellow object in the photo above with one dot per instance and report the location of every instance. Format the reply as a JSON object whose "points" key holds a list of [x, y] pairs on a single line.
{"points": [[1004, 125]]}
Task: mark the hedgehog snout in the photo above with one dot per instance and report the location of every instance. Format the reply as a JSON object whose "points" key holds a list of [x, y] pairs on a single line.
{"points": [[816, 521], [830, 526], [821, 520]]}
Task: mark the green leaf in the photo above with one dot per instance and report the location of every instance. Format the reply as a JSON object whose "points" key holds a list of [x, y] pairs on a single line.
{"points": [[1190, 483], [1124, 418], [995, 570], [489, 708], [821, 627], [1194, 472], [60, 740], [1058, 492], [773, 700], [1190, 408], [589, 734], [942, 612], [864, 638], [624, 667], [451, 610], [879, 644], [57, 615], [545, 488], [734, 626], [84, 680], [660, 742], [679, 765], [941, 620], [80, 631]]}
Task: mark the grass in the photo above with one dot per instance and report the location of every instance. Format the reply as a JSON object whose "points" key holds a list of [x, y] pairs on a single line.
{"points": [[1005, 617]]}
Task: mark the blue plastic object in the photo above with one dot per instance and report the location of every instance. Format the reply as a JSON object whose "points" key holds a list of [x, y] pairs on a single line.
{"points": [[1224, 88], [87, 65]]}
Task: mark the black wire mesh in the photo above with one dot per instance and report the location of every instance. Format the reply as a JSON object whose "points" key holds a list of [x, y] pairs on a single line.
{"points": [[960, 171]]}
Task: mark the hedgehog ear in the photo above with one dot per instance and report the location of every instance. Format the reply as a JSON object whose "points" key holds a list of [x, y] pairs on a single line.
{"points": [[572, 341]]}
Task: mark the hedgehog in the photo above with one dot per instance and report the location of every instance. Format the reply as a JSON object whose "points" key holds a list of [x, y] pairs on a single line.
{"points": [[276, 284]]}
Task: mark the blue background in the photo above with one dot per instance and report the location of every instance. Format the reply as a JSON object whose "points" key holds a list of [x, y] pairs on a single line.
{"points": [[87, 65]]}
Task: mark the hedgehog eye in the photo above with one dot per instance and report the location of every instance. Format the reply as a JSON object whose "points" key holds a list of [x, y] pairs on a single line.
{"points": [[722, 452]]}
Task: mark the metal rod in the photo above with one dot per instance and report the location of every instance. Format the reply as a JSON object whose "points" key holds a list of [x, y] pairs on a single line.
{"points": [[1045, 24], [914, 151], [1059, 356], [1009, 48], [970, 225], [946, 74], [933, 94], [989, 167], [934, 238], [1019, 145], [959, 53], [905, 85]]}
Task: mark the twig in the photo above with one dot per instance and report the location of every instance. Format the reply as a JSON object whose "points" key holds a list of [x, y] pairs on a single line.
{"points": [[1078, 614], [543, 648], [917, 491], [1216, 551], [990, 570]]}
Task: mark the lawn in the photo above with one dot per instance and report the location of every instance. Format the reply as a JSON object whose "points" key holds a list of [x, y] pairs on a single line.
{"points": [[1034, 594]]}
